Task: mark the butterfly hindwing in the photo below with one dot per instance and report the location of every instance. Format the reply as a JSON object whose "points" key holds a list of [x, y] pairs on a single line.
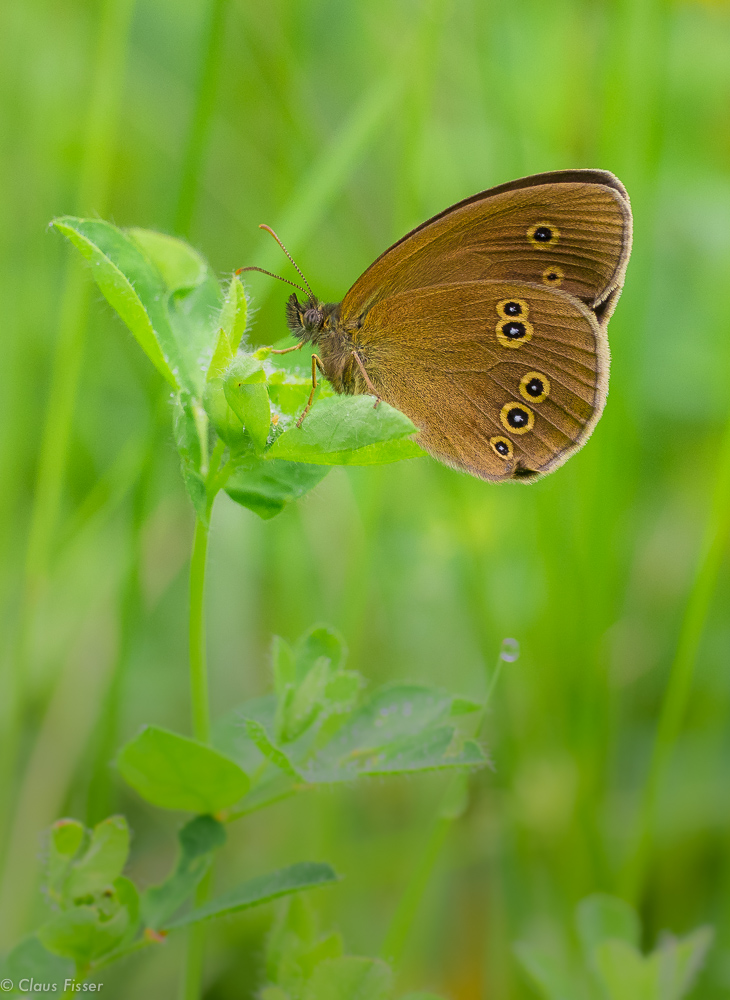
{"points": [[504, 379]]}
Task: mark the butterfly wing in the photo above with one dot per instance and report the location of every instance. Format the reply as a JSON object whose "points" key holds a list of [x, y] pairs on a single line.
{"points": [[504, 380], [569, 230]]}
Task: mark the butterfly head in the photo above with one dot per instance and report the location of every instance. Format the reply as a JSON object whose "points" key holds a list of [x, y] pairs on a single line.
{"points": [[308, 319]]}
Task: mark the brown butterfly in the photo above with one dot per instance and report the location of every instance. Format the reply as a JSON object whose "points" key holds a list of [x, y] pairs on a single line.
{"points": [[486, 325]]}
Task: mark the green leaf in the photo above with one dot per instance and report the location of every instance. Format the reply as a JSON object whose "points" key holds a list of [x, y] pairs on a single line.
{"points": [[190, 422], [600, 918], [317, 642], [103, 860], [234, 314], [546, 972], [128, 897], [175, 772], [66, 837], [257, 733], [246, 369], [429, 751], [397, 731], [305, 700], [350, 978], [229, 735], [246, 394], [264, 888], [282, 662], [180, 266], [251, 404], [222, 356], [193, 304], [384, 725], [347, 430], [83, 934], [128, 281], [680, 959], [625, 973], [161, 288], [228, 426], [30, 960], [199, 839], [295, 948], [266, 487]]}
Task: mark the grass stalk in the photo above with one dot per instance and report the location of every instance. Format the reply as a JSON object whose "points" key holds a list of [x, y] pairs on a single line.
{"points": [[453, 804], [92, 195], [98, 147], [201, 118], [679, 686]]}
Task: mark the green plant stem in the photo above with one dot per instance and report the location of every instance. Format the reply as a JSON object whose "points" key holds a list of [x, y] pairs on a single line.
{"points": [[194, 952], [198, 663], [679, 686]]}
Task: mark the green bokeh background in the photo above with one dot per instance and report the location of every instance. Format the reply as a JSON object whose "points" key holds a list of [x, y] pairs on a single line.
{"points": [[343, 124]]}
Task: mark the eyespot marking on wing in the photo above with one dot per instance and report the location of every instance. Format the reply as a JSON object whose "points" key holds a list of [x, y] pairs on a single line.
{"points": [[513, 333], [502, 446], [534, 387], [553, 276], [517, 418], [512, 308], [543, 235]]}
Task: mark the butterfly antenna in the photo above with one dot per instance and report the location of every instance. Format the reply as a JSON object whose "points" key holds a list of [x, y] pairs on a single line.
{"points": [[301, 273], [277, 276]]}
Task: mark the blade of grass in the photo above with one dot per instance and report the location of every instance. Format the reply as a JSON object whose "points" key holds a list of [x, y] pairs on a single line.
{"points": [[329, 171], [453, 804], [679, 685], [201, 118], [98, 146], [57, 751]]}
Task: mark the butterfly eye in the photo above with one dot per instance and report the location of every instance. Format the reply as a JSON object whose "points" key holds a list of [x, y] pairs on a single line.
{"points": [[553, 276], [543, 234], [516, 418], [534, 387], [513, 332], [502, 446], [510, 308]]}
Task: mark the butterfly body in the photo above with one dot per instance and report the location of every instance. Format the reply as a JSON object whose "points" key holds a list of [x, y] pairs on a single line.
{"points": [[487, 324]]}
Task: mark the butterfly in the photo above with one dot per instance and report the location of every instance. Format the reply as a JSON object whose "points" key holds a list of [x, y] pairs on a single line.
{"points": [[486, 325]]}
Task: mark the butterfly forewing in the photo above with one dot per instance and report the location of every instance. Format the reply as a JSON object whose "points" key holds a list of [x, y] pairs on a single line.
{"points": [[569, 230], [503, 379]]}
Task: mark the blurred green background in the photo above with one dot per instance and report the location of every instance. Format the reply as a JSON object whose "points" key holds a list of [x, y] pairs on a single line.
{"points": [[343, 124]]}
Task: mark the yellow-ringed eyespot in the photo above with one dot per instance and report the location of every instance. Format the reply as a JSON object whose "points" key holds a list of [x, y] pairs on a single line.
{"points": [[553, 276], [543, 234], [502, 446], [534, 387], [513, 309], [517, 418], [513, 332]]}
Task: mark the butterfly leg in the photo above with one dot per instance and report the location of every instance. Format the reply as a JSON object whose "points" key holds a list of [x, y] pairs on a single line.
{"points": [[316, 363], [288, 350], [368, 383]]}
